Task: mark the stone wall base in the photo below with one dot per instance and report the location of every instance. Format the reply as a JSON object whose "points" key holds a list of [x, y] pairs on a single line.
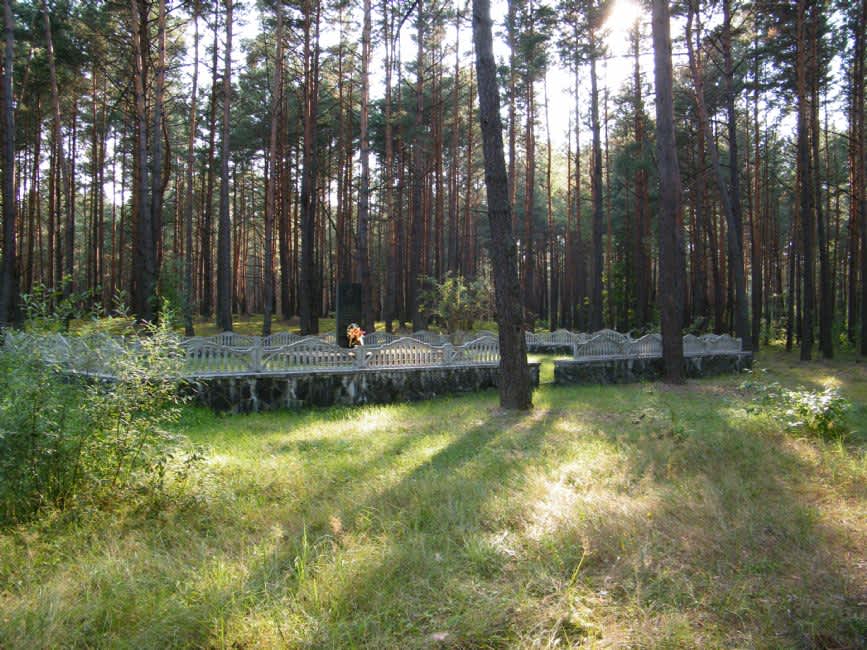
{"points": [[266, 392], [626, 370], [551, 348]]}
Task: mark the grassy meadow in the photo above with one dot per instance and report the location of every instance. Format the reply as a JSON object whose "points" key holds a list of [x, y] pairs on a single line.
{"points": [[642, 516]]}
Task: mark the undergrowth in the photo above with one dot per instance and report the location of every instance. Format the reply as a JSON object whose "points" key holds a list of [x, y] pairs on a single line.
{"points": [[635, 516]]}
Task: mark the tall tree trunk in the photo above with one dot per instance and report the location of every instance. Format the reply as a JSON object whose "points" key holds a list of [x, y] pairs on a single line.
{"points": [[805, 174], [157, 184], [308, 298], [734, 216], [273, 176], [207, 252], [553, 247], [515, 389], [69, 227], [596, 191], [861, 166], [418, 180], [391, 217], [857, 178], [60, 159], [188, 199], [512, 38], [730, 201], [671, 264], [756, 220], [9, 271], [143, 262], [826, 297], [530, 293], [641, 234], [283, 217], [790, 287], [367, 321], [224, 233], [453, 236]]}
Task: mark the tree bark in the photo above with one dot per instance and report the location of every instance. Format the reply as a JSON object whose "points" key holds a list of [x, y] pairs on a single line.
{"points": [[862, 176], [367, 322], [641, 234], [207, 263], [515, 389], [189, 330], [671, 265], [734, 216], [157, 184], [310, 111], [418, 179], [143, 270], [826, 297], [392, 281], [60, 159], [806, 182], [596, 191], [224, 233], [9, 313], [757, 217], [273, 176]]}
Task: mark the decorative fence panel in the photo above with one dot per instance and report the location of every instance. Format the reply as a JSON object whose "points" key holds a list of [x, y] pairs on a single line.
{"points": [[281, 338], [649, 345], [306, 354], [404, 352], [606, 343], [693, 345], [285, 352], [483, 350], [431, 338], [379, 338], [204, 358]]}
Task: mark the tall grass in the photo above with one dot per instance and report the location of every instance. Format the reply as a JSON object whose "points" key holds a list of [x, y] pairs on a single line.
{"points": [[634, 516]]}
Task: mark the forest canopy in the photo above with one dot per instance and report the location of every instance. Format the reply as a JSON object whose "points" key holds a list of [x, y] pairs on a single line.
{"points": [[229, 159]]}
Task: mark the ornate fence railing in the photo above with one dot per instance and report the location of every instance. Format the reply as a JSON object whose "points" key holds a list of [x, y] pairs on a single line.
{"points": [[233, 354]]}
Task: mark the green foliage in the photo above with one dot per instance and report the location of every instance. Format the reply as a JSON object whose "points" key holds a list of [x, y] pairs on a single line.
{"points": [[64, 440], [822, 413], [50, 310], [456, 304], [642, 514], [55, 310], [819, 413]]}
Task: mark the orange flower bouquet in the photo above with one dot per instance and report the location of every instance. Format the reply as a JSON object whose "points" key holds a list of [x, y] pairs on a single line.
{"points": [[355, 335]]}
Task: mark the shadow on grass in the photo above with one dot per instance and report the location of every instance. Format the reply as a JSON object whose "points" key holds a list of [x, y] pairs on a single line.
{"points": [[701, 529], [723, 519], [706, 534], [422, 524]]}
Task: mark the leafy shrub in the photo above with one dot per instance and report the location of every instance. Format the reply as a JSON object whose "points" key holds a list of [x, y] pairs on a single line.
{"points": [[54, 310], [822, 413], [454, 303], [816, 412], [64, 440]]}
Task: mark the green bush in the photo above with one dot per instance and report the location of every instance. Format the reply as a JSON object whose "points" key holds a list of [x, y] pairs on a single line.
{"points": [[65, 440], [820, 413], [454, 303]]}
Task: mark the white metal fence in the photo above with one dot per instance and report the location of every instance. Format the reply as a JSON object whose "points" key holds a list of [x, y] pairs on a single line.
{"points": [[233, 354]]}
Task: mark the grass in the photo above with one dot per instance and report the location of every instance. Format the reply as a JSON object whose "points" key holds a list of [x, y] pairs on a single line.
{"points": [[633, 516]]}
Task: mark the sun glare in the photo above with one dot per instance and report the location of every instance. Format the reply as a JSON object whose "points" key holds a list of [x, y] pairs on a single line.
{"points": [[622, 16]]}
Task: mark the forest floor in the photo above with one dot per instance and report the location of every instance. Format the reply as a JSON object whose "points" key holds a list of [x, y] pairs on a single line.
{"points": [[632, 516]]}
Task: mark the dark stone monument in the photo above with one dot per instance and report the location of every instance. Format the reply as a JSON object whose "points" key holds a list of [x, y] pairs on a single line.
{"points": [[348, 309]]}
